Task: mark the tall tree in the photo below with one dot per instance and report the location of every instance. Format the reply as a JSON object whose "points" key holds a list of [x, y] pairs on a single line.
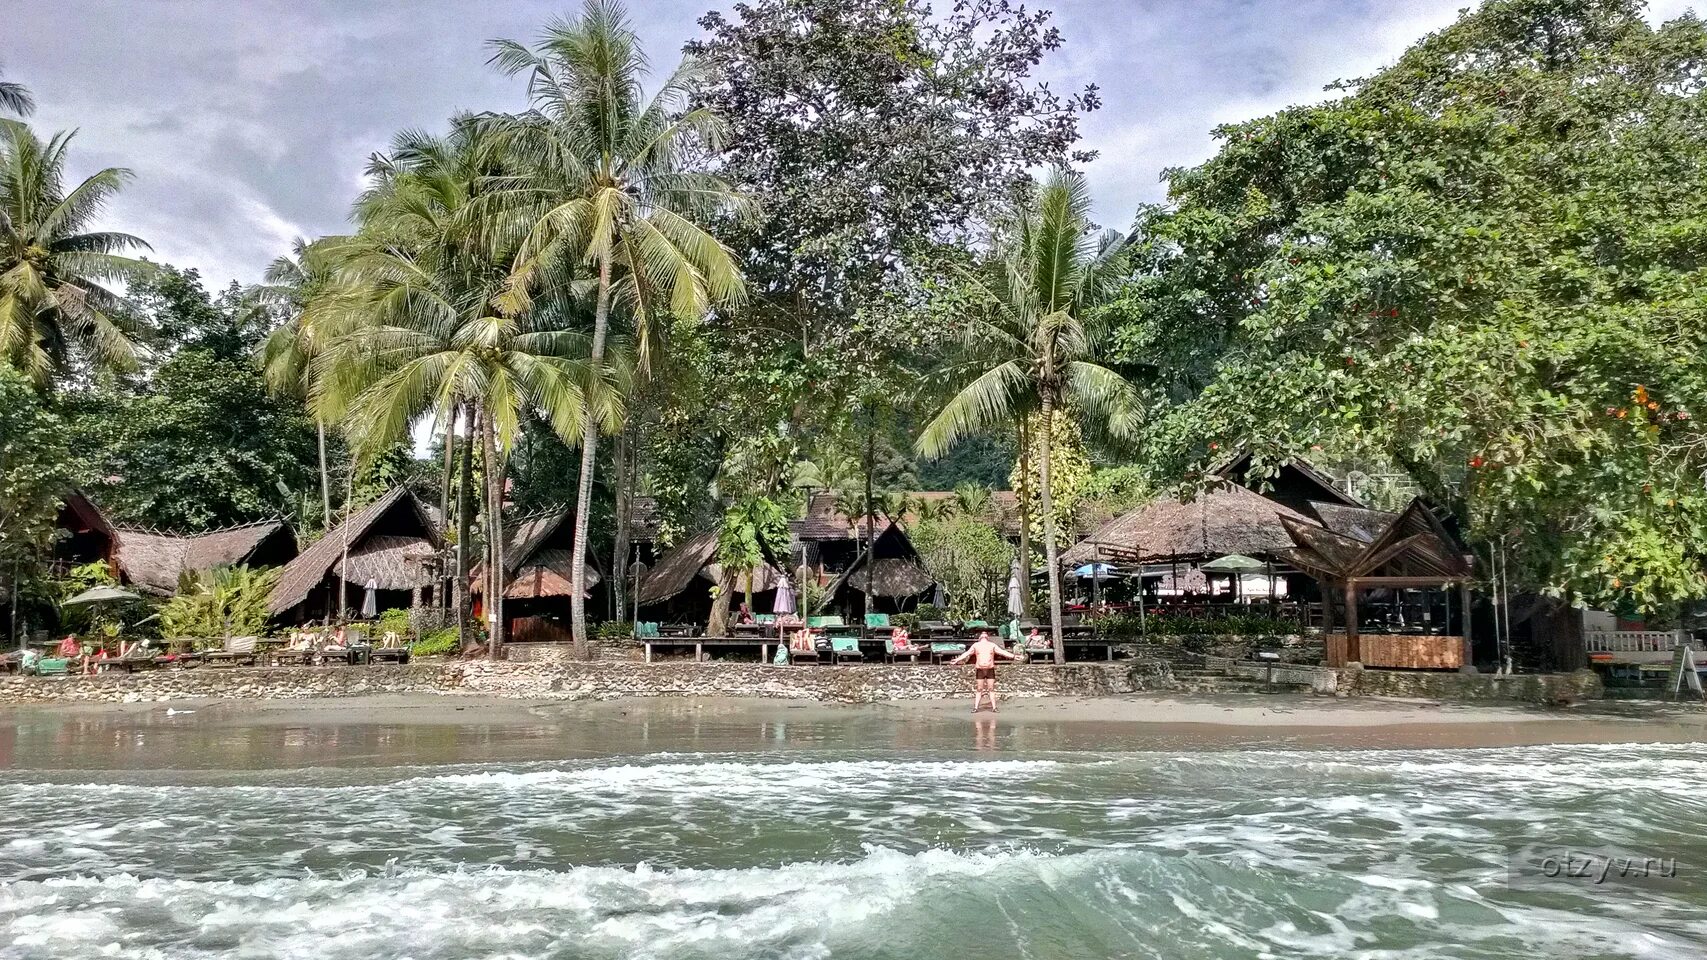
{"points": [[194, 441], [16, 97], [1030, 346], [294, 281], [615, 182], [34, 472], [53, 306], [1480, 268], [423, 337]]}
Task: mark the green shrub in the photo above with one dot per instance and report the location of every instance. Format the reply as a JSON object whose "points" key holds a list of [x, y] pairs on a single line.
{"points": [[930, 611], [906, 621], [1180, 625], [395, 620], [615, 630], [435, 643]]}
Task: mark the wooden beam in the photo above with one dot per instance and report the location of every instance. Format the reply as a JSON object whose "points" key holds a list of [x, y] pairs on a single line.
{"points": [[1464, 604], [1442, 582], [1351, 651]]}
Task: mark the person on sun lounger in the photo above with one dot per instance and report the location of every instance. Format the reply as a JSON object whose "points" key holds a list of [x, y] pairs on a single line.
{"points": [[983, 655]]}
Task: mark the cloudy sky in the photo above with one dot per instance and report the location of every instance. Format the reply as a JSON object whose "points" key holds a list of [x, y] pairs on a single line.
{"points": [[247, 122]]}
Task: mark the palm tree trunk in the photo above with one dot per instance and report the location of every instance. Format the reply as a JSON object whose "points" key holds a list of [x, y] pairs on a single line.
{"points": [[447, 481], [464, 528], [325, 477], [624, 520], [1024, 500], [870, 508], [495, 540], [718, 625], [589, 453], [1049, 549]]}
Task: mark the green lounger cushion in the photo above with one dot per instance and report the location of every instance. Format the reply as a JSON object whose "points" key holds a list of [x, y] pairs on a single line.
{"points": [[877, 619], [844, 644], [948, 648], [830, 621], [764, 618]]}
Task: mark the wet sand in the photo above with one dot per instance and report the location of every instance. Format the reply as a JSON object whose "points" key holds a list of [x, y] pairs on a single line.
{"points": [[431, 730]]}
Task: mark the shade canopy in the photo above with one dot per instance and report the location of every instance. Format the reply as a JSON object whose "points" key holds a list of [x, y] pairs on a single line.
{"points": [[1101, 571], [101, 595], [784, 602], [1234, 563]]}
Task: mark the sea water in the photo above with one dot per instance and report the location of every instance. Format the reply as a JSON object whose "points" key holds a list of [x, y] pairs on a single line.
{"points": [[833, 850]]}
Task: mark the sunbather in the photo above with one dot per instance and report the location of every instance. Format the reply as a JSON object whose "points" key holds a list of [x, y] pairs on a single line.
{"points": [[983, 655]]}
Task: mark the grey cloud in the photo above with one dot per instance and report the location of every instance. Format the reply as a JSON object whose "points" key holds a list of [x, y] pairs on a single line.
{"points": [[249, 122]]}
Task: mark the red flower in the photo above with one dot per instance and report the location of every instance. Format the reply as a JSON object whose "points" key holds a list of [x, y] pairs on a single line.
{"points": [[1476, 461]]}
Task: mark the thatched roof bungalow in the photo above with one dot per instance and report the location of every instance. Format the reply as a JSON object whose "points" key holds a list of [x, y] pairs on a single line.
{"points": [[83, 535], [1227, 520], [536, 559], [155, 562], [678, 587], [391, 543], [896, 581]]}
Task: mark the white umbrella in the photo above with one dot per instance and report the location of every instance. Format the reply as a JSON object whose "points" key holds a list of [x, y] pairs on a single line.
{"points": [[370, 602], [784, 596], [1016, 602]]}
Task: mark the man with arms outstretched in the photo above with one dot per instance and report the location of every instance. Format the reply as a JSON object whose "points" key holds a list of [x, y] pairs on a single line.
{"points": [[983, 655]]}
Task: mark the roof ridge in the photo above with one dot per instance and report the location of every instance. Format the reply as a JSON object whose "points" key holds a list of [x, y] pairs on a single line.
{"points": [[178, 534]]}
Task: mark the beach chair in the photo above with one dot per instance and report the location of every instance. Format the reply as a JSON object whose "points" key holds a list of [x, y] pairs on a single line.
{"points": [[391, 649], [645, 630], [236, 650], [946, 651], [971, 628], [894, 650], [878, 625], [138, 657], [803, 656], [844, 649], [53, 667]]}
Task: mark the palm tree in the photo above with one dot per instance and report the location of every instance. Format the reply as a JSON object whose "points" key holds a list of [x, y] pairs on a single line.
{"points": [[16, 98], [53, 306], [611, 181], [302, 284], [1028, 338], [423, 338]]}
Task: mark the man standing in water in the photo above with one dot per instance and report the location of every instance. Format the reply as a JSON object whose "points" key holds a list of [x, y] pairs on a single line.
{"points": [[983, 655]]}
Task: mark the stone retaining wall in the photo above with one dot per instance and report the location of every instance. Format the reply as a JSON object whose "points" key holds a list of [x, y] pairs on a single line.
{"points": [[1552, 688], [575, 681], [1318, 679]]}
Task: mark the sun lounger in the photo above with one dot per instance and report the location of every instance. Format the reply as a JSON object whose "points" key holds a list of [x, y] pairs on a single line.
{"points": [[53, 666], [845, 648], [398, 654], [905, 649], [878, 625], [1036, 652], [946, 651], [803, 656], [139, 657], [237, 650]]}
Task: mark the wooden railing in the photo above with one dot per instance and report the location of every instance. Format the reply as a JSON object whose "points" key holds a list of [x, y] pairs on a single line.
{"points": [[1635, 646]]}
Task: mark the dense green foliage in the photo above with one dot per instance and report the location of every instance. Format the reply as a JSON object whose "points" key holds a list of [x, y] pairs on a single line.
{"points": [[215, 604], [970, 558], [34, 469], [197, 442], [1482, 265]]}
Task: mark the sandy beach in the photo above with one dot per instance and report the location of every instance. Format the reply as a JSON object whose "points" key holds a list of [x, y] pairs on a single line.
{"points": [[422, 729]]}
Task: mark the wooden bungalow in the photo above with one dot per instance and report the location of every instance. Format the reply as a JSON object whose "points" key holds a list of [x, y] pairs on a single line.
{"points": [[896, 582], [538, 577], [1168, 540], [1404, 581], [155, 563], [82, 535], [390, 543], [678, 587], [1294, 484]]}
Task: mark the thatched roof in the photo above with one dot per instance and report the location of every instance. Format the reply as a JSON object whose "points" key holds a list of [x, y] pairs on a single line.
{"points": [[1413, 544], [891, 577], [1360, 523], [388, 562], [408, 535], [546, 574], [1293, 482], [1227, 519], [536, 558], [824, 522], [81, 514], [154, 562], [676, 569], [693, 558]]}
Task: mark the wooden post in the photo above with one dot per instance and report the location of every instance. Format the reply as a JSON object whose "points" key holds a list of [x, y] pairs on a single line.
{"points": [[1351, 651], [1464, 611], [648, 651]]}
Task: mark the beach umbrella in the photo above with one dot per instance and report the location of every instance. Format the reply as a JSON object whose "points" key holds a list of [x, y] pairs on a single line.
{"points": [[370, 599], [101, 595], [1016, 599], [784, 596], [1234, 563]]}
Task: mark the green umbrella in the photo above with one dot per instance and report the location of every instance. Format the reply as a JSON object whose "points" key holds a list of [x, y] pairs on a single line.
{"points": [[101, 595], [1234, 563]]}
